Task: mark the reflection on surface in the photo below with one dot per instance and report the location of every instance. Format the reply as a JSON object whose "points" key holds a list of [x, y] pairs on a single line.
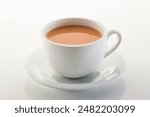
{"points": [[36, 91], [111, 65]]}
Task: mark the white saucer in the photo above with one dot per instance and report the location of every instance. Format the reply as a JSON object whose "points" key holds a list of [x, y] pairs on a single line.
{"points": [[110, 71]]}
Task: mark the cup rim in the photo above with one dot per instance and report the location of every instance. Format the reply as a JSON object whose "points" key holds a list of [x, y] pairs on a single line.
{"points": [[78, 45]]}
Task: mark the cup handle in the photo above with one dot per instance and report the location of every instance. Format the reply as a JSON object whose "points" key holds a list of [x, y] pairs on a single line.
{"points": [[114, 47]]}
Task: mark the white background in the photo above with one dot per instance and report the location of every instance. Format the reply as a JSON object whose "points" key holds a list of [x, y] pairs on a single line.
{"points": [[20, 26]]}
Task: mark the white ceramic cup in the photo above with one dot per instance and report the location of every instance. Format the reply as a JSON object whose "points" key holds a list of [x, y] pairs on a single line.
{"points": [[75, 61]]}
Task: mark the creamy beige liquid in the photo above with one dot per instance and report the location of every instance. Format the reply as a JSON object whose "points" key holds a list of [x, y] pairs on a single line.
{"points": [[73, 35]]}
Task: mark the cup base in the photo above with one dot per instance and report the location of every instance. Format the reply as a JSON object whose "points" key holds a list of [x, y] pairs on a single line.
{"points": [[110, 71]]}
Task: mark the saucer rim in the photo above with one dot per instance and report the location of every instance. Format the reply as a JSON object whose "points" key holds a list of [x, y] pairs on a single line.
{"points": [[66, 86]]}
